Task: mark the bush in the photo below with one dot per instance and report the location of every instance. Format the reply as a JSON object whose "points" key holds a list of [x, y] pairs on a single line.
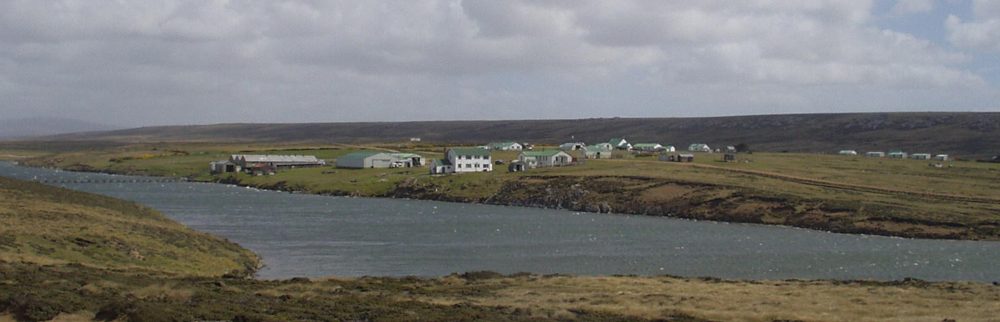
{"points": [[26, 308]]}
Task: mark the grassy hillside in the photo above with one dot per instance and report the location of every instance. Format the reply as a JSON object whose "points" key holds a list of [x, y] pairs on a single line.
{"points": [[48, 225], [967, 134]]}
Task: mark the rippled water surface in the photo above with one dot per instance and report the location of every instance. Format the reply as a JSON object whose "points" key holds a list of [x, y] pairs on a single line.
{"points": [[319, 236]]}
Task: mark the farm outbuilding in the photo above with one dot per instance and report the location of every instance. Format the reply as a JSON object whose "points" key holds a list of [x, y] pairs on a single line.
{"points": [[676, 157], [365, 160], [648, 147], [920, 156], [278, 161], [595, 152], [379, 160], [896, 154], [548, 158], [699, 147], [441, 166], [941, 157], [848, 152], [223, 166], [620, 144], [572, 146], [875, 154], [505, 146]]}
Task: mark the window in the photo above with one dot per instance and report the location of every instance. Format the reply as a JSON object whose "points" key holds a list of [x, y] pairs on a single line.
{"points": [[468, 165], [477, 165], [468, 157]]}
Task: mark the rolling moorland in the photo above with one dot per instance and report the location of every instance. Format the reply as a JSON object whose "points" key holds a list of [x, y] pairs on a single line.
{"points": [[74, 256], [963, 134]]}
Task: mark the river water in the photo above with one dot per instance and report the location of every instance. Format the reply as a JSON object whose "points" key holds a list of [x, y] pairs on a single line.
{"points": [[321, 236]]}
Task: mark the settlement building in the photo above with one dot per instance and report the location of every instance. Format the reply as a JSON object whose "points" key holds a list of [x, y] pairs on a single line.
{"points": [[469, 159], [505, 146], [920, 156], [897, 154], [648, 147], [441, 166], [669, 148], [223, 166], [699, 147], [605, 145], [875, 154], [620, 144], [365, 160], [941, 157], [677, 157], [278, 161], [572, 146], [547, 158], [595, 152], [379, 160], [848, 152]]}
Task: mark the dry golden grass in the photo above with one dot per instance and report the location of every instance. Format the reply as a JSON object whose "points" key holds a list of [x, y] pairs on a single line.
{"points": [[654, 297]]}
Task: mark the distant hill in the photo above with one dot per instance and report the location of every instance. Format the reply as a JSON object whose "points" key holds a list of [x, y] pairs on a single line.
{"points": [[953, 133], [39, 126]]}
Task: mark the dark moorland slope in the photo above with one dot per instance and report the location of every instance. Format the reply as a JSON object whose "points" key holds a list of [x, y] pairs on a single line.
{"points": [[967, 134]]}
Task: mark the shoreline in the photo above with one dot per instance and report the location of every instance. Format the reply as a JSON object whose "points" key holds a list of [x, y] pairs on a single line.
{"points": [[501, 198]]}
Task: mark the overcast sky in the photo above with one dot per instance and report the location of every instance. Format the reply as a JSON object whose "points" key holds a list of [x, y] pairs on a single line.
{"points": [[135, 63]]}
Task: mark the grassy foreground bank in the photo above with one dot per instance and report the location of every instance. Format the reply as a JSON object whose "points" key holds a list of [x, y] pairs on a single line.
{"points": [[896, 197]]}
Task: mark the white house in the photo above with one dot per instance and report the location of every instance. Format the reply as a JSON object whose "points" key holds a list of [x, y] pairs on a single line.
{"points": [[669, 148], [896, 154], [648, 147], [468, 160], [699, 147], [595, 152], [547, 158], [941, 157], [875, 154], [505, 146], [620, 144], [572, 146], [920, 156], [441, 166], [605, 145]]}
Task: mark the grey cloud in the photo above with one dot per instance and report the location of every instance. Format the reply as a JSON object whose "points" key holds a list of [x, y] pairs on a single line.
{"points": [[189, 61]]}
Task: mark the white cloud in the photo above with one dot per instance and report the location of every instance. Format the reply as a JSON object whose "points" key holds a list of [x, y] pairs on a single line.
{"points": [[982, 33], [909, 7], [454, 59]]}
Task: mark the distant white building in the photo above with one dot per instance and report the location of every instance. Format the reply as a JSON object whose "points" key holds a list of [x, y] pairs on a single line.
{"points": [[896, 154], [941, 157], [462, 160], [920, 156], [572, 146], [699, 147], [848, 152], [620, 144], [547, 158], [875, 154], [505, 146], [648, 147], [595, 152], [246, 161], [669, 148]]}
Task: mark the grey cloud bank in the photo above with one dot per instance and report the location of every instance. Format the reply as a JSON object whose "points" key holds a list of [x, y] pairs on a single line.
{"points": [[197, 62]]}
